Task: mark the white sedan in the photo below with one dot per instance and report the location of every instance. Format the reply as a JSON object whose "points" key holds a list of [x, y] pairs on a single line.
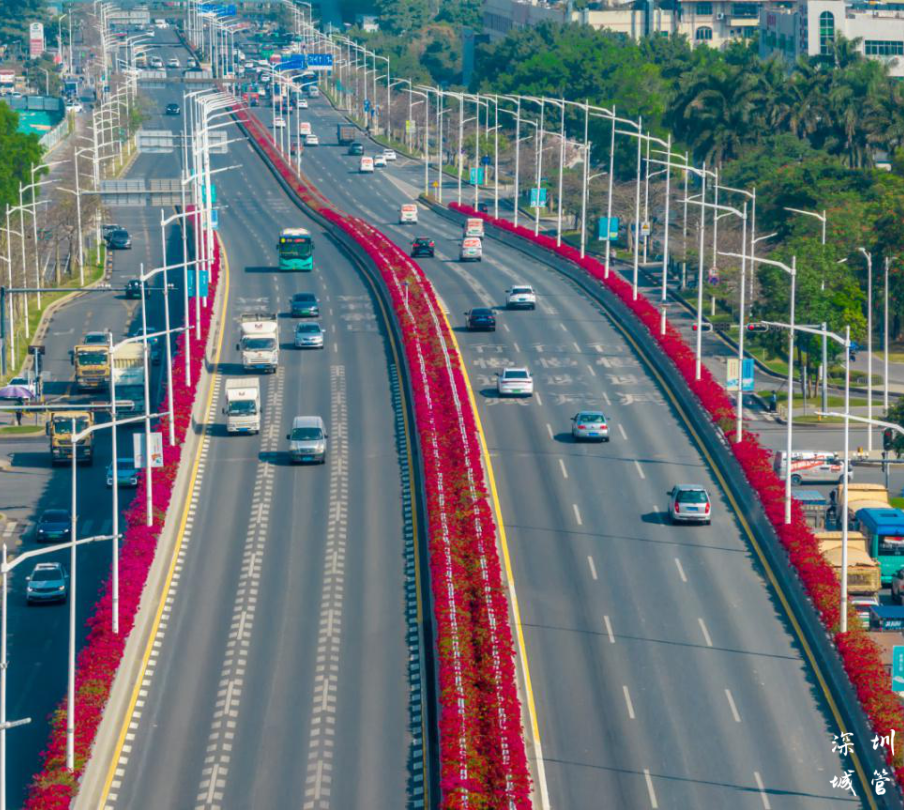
{"points": [[302, 104], [279, 123], [521, 296], [379, 161], [312, 140], [389, 154], [515, 382]]}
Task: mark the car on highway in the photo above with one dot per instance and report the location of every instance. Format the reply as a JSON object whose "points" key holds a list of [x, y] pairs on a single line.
{"points": [[106, 230], [279, 122], [309, 336], [379, 161], [423, 246], [356, 149], [155, 347], [312, 140], [307, 441], [302, 103], [74, 106], [173, 62], [514, 382], [366, 165], [155, 62], [390, 154], [53, 526], [296, 147], [48, 582], [481, 319], [96, 338], [119, 240], [191, 64], [173, 109], [133, 288], [689, 503], [590, 426], [408, 214], [126, 473], [304, 305], [521, 296]]}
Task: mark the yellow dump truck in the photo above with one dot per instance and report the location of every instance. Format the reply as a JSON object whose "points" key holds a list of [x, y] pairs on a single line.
{"points": [[864, 573], [59, 429], [862, 496], [92, 366]]}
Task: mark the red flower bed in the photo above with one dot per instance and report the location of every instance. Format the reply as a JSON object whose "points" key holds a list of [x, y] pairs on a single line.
{"points": [[54, 786], [483, 763], [859, 654]]}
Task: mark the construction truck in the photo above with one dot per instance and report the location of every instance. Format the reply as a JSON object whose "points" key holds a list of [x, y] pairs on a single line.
{"points": [[346, 134], [92, 366], [59, 429], [259, 341], [128, 378]]}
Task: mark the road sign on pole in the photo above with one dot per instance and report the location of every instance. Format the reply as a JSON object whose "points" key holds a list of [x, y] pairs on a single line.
{"points": [[476, 177], [747, 368], [533, 198], [204, 281]]}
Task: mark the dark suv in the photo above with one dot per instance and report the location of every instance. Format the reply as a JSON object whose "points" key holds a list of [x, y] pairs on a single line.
{"points": [[133, 288], [422, 246], [356, 149], [119, 239], [173, 109], [481, 319]]}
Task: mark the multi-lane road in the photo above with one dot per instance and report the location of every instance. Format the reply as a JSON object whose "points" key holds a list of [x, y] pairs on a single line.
{"points": [[663, 673]]}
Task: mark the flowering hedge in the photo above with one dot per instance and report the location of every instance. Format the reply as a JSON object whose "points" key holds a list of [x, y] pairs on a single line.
{"points": [[54, 786], [483, 763], [859, 654]]}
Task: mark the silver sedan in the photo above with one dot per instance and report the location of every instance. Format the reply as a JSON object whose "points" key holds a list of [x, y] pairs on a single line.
{"points": [[308, 336], [590, 426], [689, 503]]}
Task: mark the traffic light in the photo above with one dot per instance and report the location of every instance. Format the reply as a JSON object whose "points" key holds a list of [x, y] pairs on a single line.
{"points": [[722, 326], [757, 326], [888, 439], [704, 327]]}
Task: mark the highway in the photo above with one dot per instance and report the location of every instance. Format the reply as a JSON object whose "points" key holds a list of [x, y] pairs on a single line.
{"points": [[38, 635], [664, 674], [280, 674]]}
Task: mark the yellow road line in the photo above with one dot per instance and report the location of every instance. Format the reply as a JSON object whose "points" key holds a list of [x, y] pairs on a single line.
{"points": [[865, 783], [513, 597], [172, 567]]}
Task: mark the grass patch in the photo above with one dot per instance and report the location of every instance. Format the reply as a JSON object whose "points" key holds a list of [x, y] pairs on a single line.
{"points": [[21, 430], [833, 401], [896, 503]]}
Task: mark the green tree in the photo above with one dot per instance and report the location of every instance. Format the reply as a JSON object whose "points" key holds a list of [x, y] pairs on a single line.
{"points": [[20, 151], [402, 16], [15, 17]]}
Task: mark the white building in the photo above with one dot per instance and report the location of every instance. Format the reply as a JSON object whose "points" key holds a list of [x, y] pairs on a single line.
{"points": [[810, 29], [714, 22]]}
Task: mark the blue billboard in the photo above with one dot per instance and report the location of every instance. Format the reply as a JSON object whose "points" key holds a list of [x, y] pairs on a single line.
{"points": [[324, 61]]}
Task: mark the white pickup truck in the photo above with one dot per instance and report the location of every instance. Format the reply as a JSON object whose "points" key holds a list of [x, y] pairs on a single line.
{"points": [[259, 341], [243, 405]]}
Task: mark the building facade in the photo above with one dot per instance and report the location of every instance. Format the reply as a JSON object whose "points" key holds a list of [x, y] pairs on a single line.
{"points": [[811, 28]]}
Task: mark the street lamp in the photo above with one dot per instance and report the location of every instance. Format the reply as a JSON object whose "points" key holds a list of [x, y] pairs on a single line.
{"points": [[888, 261], [869, 344]]}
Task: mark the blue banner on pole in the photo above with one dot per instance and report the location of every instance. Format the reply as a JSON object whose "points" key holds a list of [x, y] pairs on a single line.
{"points": [[897, 669], [533, 198], [215, 219], [477, 177], [191, 282], [747, 369], [606, 226]]}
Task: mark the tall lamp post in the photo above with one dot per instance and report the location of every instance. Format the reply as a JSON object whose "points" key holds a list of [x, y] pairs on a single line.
{"points": [[869, 345]]}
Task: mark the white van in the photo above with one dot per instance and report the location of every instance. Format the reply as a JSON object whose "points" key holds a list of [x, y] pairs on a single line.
{"points": [[408, 213], [812, 467], [313, 91], [366, 166], [471, 249], [160, 23], [474, 227]]}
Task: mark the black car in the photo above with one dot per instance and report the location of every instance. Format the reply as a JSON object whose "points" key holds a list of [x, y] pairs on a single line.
{"points": [[54, 526], [304, 305], [356, 149], [483, 208], [422, 246], [173, 109], [133, 288], [119, 239], [481, 319]]}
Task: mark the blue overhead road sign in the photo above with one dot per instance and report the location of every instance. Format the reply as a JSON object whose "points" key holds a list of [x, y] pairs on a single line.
{"points": [[320, 61], [296, 62]]}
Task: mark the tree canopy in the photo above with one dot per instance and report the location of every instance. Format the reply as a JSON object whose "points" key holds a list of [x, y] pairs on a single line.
{"points": [[20, 151]]}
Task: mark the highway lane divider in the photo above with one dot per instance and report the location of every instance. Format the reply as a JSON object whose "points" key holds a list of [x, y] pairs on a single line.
{"points": [[481, 757], [849, 672], [98, 662]]}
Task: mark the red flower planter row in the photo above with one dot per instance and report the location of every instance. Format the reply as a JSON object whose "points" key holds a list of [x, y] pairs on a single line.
{"points": [[54, 786], [482, 757], [859, 654]]}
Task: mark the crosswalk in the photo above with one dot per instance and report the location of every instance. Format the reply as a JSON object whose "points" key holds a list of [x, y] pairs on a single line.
{"points": [[88, 527]]}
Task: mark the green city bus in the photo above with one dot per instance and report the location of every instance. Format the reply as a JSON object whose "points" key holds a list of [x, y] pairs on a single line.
{"points": [[296, 250]]}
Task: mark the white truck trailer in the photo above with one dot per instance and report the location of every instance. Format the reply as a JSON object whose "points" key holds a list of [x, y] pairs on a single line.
{"points": [[243, 405], [259, 341]]}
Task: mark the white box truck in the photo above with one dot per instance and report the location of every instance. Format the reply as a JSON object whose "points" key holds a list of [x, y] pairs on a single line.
{"points": [[128, 377], [243, 405], [259, 341]]}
